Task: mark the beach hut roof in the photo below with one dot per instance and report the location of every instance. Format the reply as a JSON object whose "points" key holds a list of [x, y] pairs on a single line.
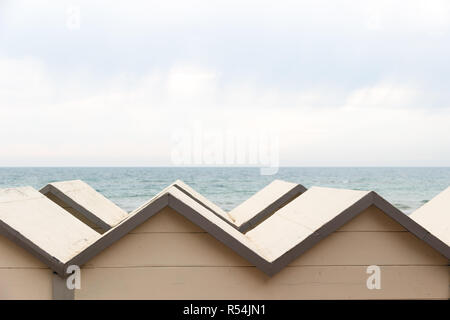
{"points": [[279, 239], [255, 209], [302, 218], [434, 216], [266, 201], [270, 246], [87, 201], [41, 226]]}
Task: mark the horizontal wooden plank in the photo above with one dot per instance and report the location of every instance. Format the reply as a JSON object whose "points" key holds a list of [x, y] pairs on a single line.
{"points": [[168, 249], [306, 282], [14, 256], [367, 248], [201, 249], [29, 284]]}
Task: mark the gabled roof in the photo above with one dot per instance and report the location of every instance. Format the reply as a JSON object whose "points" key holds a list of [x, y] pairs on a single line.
{"points": [[175, 197], [318, 212], [434, 216], [270, 246], [87, 201], [253, 210], [278, 240], [301, 218], [183, 187], [49, 232], [105, 214]]}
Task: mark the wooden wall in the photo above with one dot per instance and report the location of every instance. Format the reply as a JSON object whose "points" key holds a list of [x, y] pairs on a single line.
{"points": [[22, 276], [170, 258]]}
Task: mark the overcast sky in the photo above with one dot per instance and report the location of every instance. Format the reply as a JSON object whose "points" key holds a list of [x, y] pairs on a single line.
{"points": [[342, 83]]}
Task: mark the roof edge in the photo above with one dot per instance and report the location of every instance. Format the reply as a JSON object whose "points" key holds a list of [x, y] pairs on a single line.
{"points": [[17, 238], [321, 233], [411, 225], [119, 231], [220, 234]]}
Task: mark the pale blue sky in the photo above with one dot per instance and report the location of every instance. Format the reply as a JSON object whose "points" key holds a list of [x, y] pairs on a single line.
{"points": [[341, 82]]}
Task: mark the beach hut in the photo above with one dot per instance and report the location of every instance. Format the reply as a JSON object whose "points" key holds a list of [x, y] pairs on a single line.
{"points": [[320, 245]]}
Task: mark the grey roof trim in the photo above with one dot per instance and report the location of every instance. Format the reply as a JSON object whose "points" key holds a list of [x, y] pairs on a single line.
{"points": [[371, 198], [257, 218], [322, 232], [35, 250], [165, 198], [66, 199], [246, 226], [269, 268], [269, 210], [186, 192], [219, 234], [411, 225], [185, 210], [119, 231]]}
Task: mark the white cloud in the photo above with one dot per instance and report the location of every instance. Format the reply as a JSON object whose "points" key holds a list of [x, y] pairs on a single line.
{"points": [[344, 83], [384, 95], [128, 119], [414, 15]]}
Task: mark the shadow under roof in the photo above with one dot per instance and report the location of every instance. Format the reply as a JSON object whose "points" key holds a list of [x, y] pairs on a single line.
{"points": [[256, 208], [263, 203], [87, 201]]}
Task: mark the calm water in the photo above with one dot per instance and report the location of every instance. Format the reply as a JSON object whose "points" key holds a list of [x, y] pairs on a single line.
{"points": [[406, 188]]}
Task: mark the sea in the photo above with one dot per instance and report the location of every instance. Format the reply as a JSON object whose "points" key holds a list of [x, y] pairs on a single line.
{"points": [[407, 188]]}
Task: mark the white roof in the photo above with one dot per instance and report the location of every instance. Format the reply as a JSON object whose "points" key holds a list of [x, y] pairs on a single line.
{"points": [[37, 222], [206, 202], [434, 216], [43, 223], [260, 201], [89, 202], [300, 218]]}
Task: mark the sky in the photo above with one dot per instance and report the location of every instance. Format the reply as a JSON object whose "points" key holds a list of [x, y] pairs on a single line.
{"points": [[330, 83]]}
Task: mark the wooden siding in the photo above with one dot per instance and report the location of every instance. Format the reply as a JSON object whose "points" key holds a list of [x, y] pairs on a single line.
{"points": [[22, 276], [168, 257]]}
